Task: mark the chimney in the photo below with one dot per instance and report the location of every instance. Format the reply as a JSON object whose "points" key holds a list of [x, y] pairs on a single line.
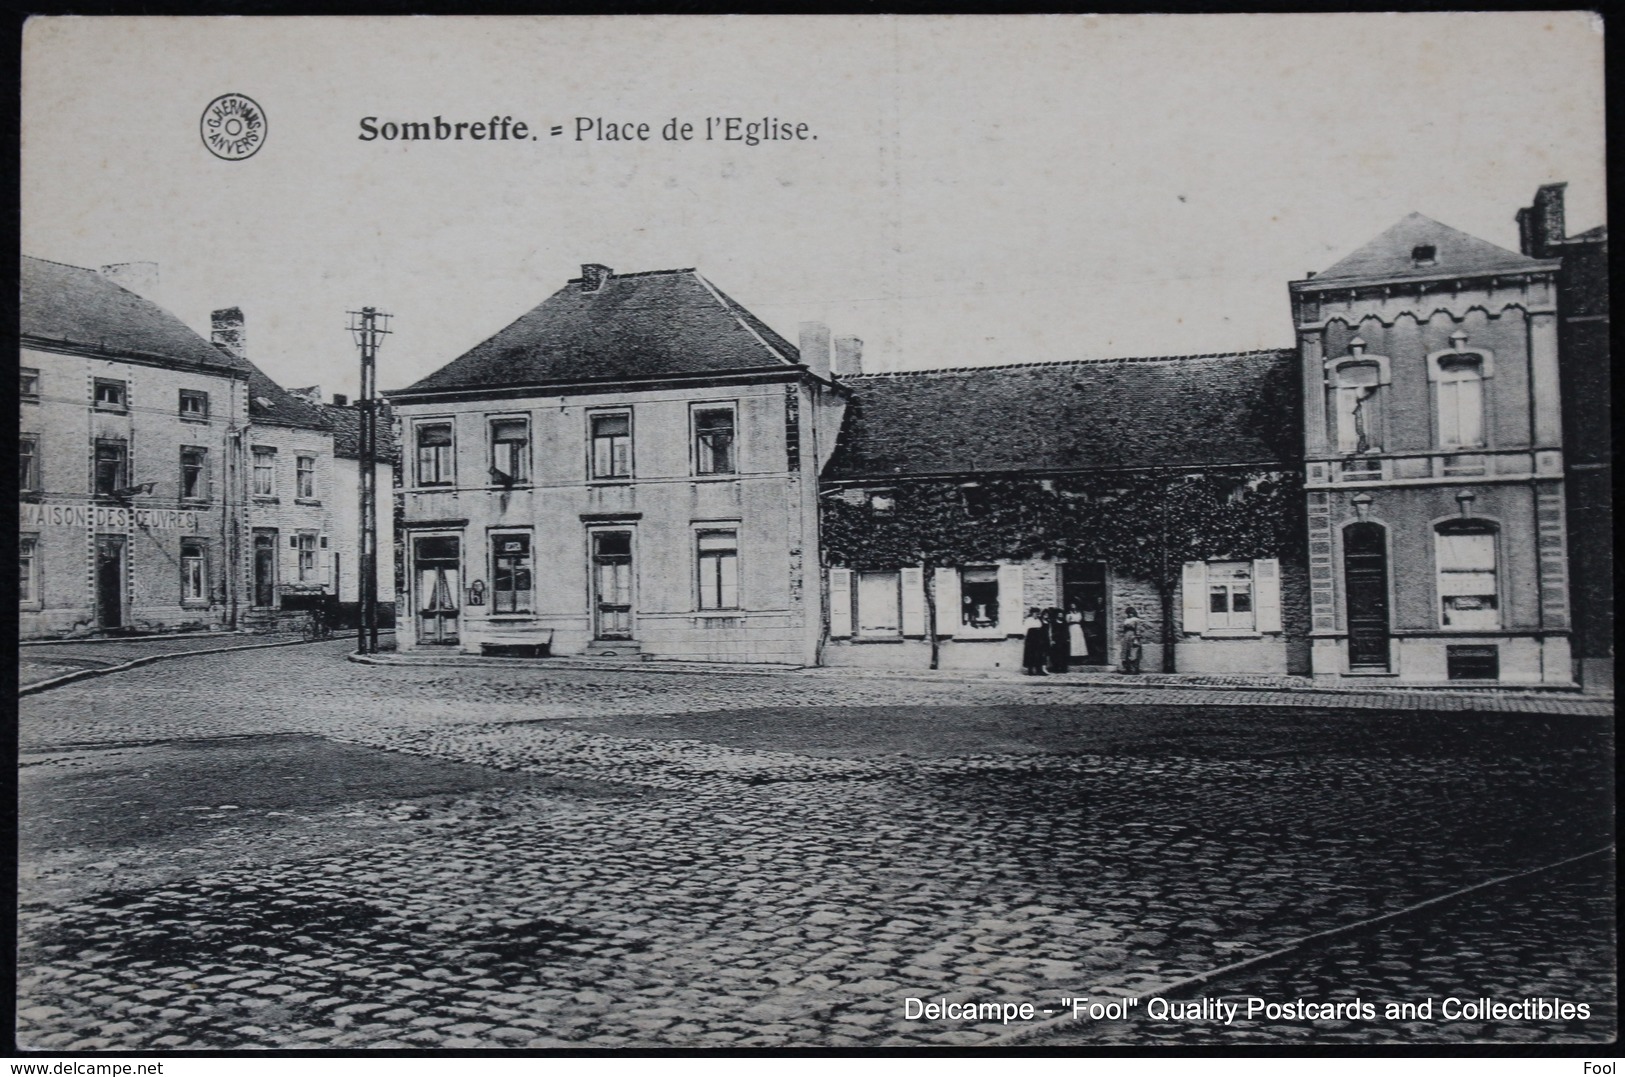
{"points": [[848, 356], [340, 400], [594, 277], [1541, 226], [815, 347], [139, 277], [227, 332]]}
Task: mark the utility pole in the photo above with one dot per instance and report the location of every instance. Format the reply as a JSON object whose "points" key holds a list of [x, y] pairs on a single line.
{"points": [[369, 327]]}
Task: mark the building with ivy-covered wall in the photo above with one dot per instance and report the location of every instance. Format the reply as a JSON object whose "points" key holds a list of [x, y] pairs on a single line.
{"points": [[959, 499]]}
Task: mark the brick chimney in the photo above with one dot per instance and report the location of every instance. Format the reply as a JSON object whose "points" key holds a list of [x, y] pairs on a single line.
{"points": [[848, 356], [1540, 225], [340, 400], [226, 331], [594, 277], [814, 346], [139, 277]]}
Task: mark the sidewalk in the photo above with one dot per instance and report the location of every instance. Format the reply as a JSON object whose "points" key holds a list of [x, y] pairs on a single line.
{"points": [[44, 664], [1236, 689]]}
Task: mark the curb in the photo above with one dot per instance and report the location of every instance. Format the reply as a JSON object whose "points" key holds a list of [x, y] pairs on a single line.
{"points": [[1306, 942], [476, 662], [146, 660]]}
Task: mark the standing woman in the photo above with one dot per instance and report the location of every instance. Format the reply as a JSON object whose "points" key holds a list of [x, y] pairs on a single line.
{"points": [[1078, 646], [1059, 646], [1133, 645], [1034, 643]]}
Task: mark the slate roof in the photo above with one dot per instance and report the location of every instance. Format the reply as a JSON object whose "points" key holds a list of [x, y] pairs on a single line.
{"points": [[346, 423], [636, 325], [73, 305], [270, 403], [1388, 257], [1177, 411]]}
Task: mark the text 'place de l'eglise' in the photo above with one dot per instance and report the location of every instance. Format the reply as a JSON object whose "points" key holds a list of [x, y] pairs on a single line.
{"points": [[1419, 491]]}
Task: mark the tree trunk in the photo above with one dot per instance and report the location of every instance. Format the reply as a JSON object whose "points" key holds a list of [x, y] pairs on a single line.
{"points": [[1167, 595], [931, 610]]}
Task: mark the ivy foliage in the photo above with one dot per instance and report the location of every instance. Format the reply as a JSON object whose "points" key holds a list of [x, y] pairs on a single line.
{"points": [[1144, 524]]}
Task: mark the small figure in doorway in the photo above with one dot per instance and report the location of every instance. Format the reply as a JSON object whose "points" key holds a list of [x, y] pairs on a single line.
{"points": [[1134, 630], [1035, 644], [1059, 645], [1077, 645]]}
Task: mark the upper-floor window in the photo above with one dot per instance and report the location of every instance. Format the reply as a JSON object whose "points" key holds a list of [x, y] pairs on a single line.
{"points": [[1464, 552], [719, 570], [111, 395], [435, 466], [612, 445], [30, 385], [112, 466], [510, 451], [714, 441], [304, 475], [1355, 407], [28, 478], [194, 473], [194, 405], [264, 471], [1460, 384], [511, 584]]}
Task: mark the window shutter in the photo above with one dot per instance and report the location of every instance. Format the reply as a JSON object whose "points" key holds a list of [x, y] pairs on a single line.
{"points": [[1010, 598], [1267, 594], [947, 584], [1195, 597], [840, 602], [914, 602]]}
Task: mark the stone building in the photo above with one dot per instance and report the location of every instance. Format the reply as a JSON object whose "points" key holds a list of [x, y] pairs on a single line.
{"points": [[960, 498], [131, 428], [629, 468], [1433, 447]]}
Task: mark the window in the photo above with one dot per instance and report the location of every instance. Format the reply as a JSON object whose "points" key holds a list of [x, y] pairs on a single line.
{"points": [[111, 395], [979, 597], [719, 570], [1424, 255], [1230, 594], [28, 569], [194, 571], [194, 473], [305, 542], [714, 441], [510, 574], [978, 502], [1355, 408], [1461, 402], [194, 405], [879, 604], [30, 385], [304, 476], [434, 454], [112, 465], [510, 451], [28, 479], [1467, 587], [612, 446], [264, 471]]}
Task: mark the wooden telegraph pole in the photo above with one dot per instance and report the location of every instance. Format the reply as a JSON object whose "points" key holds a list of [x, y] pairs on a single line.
{"points": [[369, 326]]}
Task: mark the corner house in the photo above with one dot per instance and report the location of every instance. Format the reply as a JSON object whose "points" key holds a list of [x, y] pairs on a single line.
{"points": [[629, 468]]}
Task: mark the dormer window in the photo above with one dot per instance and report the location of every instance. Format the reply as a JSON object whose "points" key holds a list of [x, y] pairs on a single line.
{"points": [[1424, 255]]}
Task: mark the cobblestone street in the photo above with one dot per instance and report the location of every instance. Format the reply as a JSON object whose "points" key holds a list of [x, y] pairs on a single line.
{"points": [[280, 848]]}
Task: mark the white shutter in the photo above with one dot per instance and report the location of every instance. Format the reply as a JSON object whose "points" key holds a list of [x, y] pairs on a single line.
{"points": [[914, 602], [1195, 597], [947, 584], [1267, 594], [1010, 599], [840, 602]]}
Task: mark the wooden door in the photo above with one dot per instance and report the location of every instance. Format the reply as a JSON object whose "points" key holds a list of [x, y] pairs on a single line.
{"points": [[1365, 580]]}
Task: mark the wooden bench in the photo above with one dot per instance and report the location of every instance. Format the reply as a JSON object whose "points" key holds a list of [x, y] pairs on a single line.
{"points": [[536, 643]]}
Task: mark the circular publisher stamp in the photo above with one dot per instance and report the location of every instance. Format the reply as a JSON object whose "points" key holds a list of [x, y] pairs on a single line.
{"points": [[233, 127]]}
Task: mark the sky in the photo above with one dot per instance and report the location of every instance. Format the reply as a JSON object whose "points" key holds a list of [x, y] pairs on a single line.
{"points": [[988, 189]]}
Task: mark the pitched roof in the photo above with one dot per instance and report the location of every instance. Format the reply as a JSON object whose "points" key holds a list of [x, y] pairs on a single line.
{"points": [[268, 402], [1179, 411], [1389, 256], [635, 325], [73, 305], [346, 422]]}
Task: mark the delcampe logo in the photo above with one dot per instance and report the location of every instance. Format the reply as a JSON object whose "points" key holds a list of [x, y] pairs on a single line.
{"points": [[233, 127]]}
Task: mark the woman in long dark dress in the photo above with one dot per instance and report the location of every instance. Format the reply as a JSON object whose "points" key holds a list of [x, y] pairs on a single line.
{"points": [[1060, 646], [1034, 645]]}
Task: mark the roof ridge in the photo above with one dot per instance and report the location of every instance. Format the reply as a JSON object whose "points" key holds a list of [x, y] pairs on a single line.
{"points": [[639, 273], [736, 311], [1054, 363], [54, 262]]}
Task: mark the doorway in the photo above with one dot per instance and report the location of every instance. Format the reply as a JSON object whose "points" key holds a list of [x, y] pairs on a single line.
{"points": [[1083, 593], [264, 567], [110, 581], [436, 563], [1365, 578], [612, 584]]}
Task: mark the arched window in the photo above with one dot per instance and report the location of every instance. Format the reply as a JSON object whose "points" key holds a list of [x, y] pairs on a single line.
{"points": [[1461, 401], [1355, 407], [1464, 552]]}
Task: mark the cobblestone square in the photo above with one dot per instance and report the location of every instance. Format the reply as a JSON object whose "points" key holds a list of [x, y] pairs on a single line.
{"points": [[280, 848]]}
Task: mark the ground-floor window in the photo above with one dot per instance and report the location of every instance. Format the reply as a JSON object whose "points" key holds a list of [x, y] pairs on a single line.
{"points": [[194, 571], [305, 542], [511, 584], [28, 591], [1230, 594], [879, 604], [979, 597], [1465, 553], [718, 559]]}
